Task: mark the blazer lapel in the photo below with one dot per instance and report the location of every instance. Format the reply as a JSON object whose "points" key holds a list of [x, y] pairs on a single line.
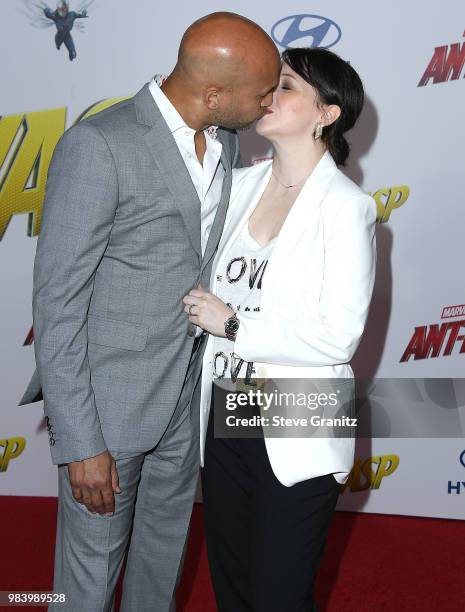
{"points": [[301, 215], [170, 163], [306, 204]]}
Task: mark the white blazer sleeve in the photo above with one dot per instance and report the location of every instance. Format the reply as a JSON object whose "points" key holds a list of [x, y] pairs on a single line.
{"points": [[333, 336]]}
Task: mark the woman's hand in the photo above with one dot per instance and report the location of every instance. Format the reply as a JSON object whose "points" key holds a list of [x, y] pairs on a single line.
{"points": [[207, 311]]}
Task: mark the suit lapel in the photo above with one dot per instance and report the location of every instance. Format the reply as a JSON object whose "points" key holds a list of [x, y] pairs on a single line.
{"points": [[170, 164], [247, 199], [218, 223], [177, 178]]}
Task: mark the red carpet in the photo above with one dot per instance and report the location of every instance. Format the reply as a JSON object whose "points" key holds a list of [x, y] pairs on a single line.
{"points": [[373, 563]]}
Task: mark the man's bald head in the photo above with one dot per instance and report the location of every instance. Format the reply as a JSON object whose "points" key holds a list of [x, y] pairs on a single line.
{"points": [[227, 65], [223, 46]]}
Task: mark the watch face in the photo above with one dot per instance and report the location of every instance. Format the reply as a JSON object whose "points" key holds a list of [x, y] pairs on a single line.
{"points": [[232, 325]]}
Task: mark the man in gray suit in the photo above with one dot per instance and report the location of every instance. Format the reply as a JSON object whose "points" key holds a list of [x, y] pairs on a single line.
{"points": [[135, 205]]}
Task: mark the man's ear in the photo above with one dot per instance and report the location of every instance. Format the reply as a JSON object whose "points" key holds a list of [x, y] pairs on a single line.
{"points": [[211, 98], [331, 113]]}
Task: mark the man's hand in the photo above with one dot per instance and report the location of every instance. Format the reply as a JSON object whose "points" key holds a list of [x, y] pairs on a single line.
{"points": [[94, 482], [207, 311]]}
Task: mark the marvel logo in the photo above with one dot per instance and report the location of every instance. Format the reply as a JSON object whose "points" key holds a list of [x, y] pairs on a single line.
{"points": [[453, 311]]}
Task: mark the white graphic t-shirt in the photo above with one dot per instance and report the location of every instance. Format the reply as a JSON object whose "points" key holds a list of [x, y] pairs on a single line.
{"points": [[239, 284]]}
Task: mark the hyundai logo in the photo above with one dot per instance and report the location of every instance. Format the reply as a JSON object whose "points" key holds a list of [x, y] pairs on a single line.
{"points": [[306, 31], [462, 458]]}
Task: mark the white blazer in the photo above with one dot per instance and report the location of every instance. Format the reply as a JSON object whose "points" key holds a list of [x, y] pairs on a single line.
{"points": [[314, 302]]}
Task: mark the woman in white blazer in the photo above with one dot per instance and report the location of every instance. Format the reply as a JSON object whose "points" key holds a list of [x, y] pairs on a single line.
{"points": [[290, 291]]}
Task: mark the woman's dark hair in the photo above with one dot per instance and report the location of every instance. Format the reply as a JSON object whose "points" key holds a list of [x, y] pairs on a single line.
{"points": [[336, 82]]}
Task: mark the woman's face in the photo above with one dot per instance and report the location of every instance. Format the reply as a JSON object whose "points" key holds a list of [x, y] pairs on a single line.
{"points": [[294, 111]]}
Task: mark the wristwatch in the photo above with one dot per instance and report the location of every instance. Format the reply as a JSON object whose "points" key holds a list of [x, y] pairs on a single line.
{"points": [[231, 326]]}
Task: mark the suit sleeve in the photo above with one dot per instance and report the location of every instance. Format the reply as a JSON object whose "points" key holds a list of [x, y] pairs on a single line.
{"points": [[333, 336], [78, 215]]}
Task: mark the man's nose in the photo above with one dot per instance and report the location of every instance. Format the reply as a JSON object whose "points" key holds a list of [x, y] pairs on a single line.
{"points": [[268, 100]]}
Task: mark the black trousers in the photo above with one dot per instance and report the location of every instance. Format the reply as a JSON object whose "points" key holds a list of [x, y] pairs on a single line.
{"points": [[265, 540]]}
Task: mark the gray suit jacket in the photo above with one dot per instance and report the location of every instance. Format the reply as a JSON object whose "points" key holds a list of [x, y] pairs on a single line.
{"points": [[118, 250]]}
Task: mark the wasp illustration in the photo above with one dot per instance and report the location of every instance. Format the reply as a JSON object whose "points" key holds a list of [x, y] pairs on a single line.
{"points": [[42, 16]]}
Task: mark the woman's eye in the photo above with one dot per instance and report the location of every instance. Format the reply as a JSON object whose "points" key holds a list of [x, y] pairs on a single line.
{"points": [[285, 87]]}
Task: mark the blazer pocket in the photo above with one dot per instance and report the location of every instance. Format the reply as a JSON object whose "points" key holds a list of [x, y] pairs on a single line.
{"points": [[117, 334]]}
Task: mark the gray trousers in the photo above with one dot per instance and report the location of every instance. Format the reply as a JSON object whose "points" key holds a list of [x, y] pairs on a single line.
{"points": [[158, 491]]}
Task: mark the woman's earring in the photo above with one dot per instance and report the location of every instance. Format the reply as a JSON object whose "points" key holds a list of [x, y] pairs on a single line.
{"points": [[318, 131]]}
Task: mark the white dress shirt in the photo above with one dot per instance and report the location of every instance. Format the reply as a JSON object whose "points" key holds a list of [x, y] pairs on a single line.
{"points": [[207, 179]]}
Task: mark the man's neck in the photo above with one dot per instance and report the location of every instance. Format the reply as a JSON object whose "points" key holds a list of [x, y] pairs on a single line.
{"points": [[200, 146], [183, 104]]}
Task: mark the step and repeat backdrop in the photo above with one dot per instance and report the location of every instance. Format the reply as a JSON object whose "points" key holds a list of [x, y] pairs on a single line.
{"points": [[407, 151]]}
